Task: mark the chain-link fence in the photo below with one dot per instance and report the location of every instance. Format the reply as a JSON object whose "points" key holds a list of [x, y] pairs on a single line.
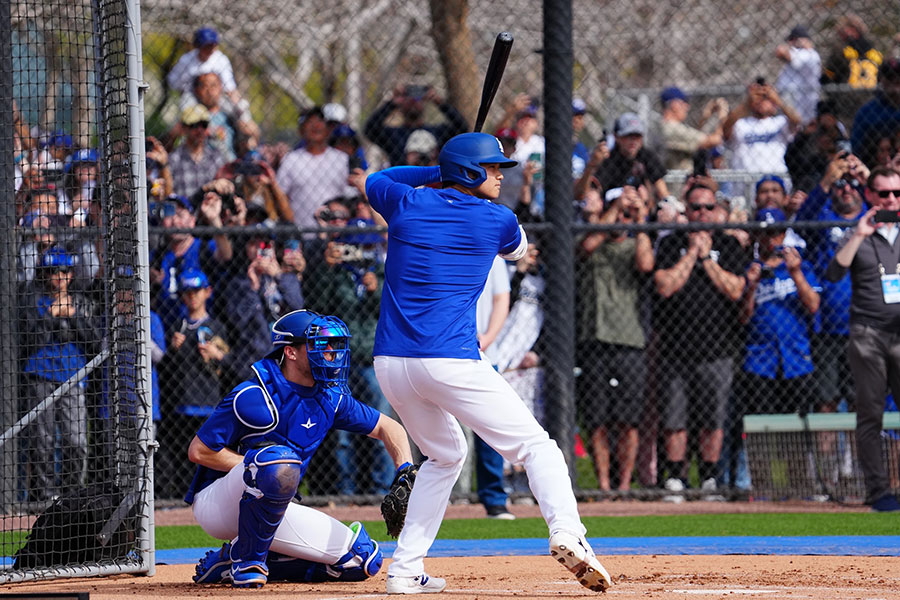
{"points": [[281, 110], [76, 440]]}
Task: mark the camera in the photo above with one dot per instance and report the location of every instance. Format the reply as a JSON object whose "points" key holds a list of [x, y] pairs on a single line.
{"points": [[417, 92], [357, 255], [157, 211], [766, 272], [354, 162], [148, 146], [760, 81], [227, 202], [843, 147], [700, 164], [844, 181], [633, 181]]}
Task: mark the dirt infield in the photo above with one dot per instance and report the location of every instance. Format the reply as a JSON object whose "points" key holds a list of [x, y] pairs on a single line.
{"points": [[659, 577]]}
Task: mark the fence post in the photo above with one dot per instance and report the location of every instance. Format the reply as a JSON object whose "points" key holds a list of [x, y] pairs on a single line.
{"points": [[557, 247]]}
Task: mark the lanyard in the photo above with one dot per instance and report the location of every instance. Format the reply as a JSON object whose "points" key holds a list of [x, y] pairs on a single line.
{"points": [[881, 269]]}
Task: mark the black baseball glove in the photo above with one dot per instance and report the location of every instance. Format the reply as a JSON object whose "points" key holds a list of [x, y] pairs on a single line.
{"points": [[393, 507]]}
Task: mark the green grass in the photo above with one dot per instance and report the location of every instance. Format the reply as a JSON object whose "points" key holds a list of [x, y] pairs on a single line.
{"points": [[781, 524]]}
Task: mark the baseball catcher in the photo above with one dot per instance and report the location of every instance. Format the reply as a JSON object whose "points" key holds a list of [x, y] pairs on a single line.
{"points": [[252, 453]]}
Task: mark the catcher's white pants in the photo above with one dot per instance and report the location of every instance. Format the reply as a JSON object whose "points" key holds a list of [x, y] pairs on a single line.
{"points": [[304, 532], [427, 394]]}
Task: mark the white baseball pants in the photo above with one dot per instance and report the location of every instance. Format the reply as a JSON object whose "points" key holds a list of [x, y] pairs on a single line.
{"points": [[427, 394], [304, 532]]}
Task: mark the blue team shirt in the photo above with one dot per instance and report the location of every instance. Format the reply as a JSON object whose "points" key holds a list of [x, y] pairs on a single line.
{"points": [[778, 332], [303, 416], [441, 246], [834, 309]]}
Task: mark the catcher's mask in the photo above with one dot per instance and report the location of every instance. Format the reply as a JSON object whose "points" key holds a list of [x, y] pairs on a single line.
{"points": [[327, 343]]}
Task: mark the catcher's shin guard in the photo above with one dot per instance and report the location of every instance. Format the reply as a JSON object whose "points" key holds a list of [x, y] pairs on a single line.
{"points": [[362, 560], [272, 475]]}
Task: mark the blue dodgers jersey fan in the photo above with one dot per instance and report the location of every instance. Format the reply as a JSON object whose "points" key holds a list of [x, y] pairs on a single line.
{"points": [[440, 249]]}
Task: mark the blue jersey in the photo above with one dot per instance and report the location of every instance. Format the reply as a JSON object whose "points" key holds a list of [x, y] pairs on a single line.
{"points": [[441, 246], [270, 410], [778, 332]]}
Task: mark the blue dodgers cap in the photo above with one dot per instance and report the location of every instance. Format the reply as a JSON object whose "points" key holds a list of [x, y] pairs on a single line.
{"points": [[60, 138], [672, 93], [774, 217], [192, 279], [774, 178], [205, 36], [361, 238]]}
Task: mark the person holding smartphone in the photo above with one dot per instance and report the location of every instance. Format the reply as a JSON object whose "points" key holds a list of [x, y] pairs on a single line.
{"points": [[869, 252]]}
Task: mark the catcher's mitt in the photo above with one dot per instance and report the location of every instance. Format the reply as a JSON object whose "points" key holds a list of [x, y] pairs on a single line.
{"points": [[393, 507]]}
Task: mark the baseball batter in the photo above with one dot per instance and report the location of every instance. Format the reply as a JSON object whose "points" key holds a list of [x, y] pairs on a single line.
{"points": [[254, 449], [427, 359]]}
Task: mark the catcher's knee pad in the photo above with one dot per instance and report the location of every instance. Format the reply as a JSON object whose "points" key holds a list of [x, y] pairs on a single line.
{"points": [[362, 560], [273, 471], [272, 475]]}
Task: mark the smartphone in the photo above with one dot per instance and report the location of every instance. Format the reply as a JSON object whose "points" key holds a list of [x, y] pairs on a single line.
{"points": [[266, 251], [887, 216], [760, 81], [291, 247]]}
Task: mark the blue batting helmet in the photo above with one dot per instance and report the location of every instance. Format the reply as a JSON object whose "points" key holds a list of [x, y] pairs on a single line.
{"points": [[462, 156]]}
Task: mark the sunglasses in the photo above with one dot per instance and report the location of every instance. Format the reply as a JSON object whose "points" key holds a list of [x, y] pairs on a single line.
{"points": [[886, 193], [201, 124], [696, 207]]}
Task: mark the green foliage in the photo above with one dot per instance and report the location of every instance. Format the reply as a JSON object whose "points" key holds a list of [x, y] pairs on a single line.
{"points": [[762, 524]]}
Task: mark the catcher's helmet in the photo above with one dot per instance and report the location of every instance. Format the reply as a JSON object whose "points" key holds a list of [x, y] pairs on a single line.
{"points": [[462, 156], [323, 335]]}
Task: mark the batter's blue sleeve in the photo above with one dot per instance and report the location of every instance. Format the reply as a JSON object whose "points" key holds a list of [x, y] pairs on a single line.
{"points": [[510, 235], [386, 188]]}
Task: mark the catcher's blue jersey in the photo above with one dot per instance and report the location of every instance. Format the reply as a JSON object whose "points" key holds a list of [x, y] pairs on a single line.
{"points": [[441, 247], [269, 409]]}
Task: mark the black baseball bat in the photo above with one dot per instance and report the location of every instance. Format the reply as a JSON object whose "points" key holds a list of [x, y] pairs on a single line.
{"points": [[492, 76]]}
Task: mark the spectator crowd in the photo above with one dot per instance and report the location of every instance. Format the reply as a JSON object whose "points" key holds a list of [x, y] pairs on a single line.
{"points": [[680, 332]]}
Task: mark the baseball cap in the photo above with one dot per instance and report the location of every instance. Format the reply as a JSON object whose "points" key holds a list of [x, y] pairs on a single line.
{"points": [[774, 178], [629, 124], [60, 138], [334, 112], [196, 113], [528, 112], [578, 106], [85, 155], [798, 32], [506, 133], [890, 70], [192, 279], [205, 36], [421, 141], [343, 131], [181, 201], [672, 93], [774, 217]]}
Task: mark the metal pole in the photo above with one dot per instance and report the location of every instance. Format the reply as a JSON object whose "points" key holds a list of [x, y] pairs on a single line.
{"points": [[8, 297], [136, 88], [558, 245]]}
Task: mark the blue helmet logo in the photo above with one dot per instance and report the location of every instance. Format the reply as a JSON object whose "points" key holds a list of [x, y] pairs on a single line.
{"points": [[462, 157]]}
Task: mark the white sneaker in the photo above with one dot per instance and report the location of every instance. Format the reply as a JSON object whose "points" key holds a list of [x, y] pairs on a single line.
{"points": [[576, 555], [710, 486], [420, 584], [673, 484]]}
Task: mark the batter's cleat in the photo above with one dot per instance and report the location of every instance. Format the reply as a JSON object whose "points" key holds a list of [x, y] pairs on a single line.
{"points": [[576, 555], [215, 567], [420, 584], [249, 574]]}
